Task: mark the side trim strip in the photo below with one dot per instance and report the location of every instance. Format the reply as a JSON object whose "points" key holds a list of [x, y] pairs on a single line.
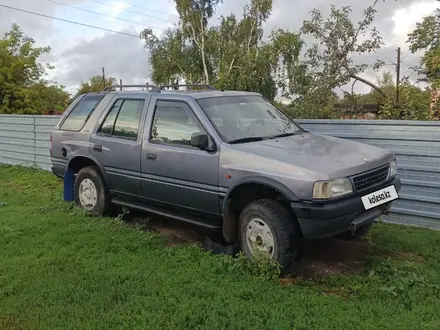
{"points": [[165, 180]]}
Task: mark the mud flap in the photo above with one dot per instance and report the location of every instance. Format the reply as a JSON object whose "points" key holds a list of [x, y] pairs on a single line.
{"points": [[69, 180], [230, 225], [218, 248]]}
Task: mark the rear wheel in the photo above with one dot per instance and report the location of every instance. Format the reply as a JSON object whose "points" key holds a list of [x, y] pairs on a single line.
{"points": [[267, 227], [90, 191]]}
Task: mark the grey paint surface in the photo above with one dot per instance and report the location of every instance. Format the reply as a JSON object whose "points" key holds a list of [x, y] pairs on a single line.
{"points": [[299, 161], [179, 175], [26, 140]]}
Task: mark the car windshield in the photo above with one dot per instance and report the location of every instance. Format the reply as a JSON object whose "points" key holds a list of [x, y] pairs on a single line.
{"points": [[247, 118]]}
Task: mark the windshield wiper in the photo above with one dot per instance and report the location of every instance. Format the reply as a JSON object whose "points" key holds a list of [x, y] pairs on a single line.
{"points": [[247, 139], [283, 135]]}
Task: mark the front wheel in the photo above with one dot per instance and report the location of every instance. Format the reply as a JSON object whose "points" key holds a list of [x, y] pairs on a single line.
{"points": [[90, 191], [267, 226]]}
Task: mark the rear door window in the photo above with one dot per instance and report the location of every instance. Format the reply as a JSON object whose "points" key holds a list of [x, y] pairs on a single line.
{"points": [[127, 122], [123, 119], [109, 123], [79, 115]]}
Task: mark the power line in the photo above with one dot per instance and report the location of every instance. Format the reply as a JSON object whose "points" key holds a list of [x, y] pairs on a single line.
{"points": [[130, 11], [97, 13], [72, 22], [137, 6]]}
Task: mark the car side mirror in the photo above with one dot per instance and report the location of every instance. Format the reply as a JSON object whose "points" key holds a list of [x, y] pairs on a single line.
{"points": [[200, 140]]}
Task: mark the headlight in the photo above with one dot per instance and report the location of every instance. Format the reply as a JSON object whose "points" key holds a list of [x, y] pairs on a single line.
{"points": [[332, 188], [393, 169]]}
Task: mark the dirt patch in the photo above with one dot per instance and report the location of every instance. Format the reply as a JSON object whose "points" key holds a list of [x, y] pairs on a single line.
{"points": [[409, 256], [174, 231], [331, 257], [320, 258], [9, 322]]}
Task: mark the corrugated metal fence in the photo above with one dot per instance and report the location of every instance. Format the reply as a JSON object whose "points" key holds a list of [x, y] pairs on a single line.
{"points": [[417, 148], [25, 140]]}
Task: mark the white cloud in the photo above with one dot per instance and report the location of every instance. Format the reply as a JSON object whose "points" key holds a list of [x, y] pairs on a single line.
{"points": [[114, 8], [405, 19]]}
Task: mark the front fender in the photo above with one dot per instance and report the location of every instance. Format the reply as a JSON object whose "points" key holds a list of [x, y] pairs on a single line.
{"points": [[271, 183]]}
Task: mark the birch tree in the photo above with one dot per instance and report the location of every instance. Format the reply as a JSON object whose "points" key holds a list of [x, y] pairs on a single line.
{"points": [[235, 54]]}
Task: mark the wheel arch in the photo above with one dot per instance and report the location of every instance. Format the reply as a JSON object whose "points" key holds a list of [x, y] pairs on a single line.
{"points": [[245, 191], [263, 181], [78, 162]]}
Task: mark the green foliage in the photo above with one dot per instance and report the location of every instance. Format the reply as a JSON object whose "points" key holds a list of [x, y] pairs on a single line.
{"points": [[233, 55], [260, 266], [95, 84], [426, 38], [328, 61], [403, 282], [414, 104], [22, 87]]}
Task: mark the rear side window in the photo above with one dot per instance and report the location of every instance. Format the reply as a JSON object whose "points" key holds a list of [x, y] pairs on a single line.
{"points": [[123, 119], [79, 115], [109, 123]]}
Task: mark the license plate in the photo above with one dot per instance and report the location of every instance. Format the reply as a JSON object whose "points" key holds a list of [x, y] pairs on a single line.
{"points": [[379, 197]]}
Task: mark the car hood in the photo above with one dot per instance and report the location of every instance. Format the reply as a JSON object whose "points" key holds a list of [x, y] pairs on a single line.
{"points": [[329, 156]]}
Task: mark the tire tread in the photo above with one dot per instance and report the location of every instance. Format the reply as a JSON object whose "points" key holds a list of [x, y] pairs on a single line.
{"points": [[94, 174], [283, 221]]}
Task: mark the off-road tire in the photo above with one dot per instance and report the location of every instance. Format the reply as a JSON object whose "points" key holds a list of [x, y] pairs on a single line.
{"points": [[92, 173], [283, 225]]}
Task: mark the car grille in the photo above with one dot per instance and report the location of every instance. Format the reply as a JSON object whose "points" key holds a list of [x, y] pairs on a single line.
{"points": [[372, 178]]}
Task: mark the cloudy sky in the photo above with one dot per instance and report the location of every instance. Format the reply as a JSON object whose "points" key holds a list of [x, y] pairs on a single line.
{"points": [[79, 52]]}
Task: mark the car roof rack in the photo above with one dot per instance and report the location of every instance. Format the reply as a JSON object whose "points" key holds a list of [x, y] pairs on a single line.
{"points": [[153, 87], [177, 86]]}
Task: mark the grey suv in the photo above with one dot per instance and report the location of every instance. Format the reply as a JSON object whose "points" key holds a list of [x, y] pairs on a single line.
{"points": [[222, 160]]}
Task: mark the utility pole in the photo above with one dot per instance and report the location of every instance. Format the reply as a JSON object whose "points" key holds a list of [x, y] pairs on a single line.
{"points": [[120, 83], [398, 75], [103, 75]]}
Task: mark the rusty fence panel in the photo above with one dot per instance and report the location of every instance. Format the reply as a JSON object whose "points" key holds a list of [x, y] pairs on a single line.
{"points": [[25, 140]]}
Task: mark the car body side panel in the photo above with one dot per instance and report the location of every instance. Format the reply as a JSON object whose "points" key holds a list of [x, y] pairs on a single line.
{"points": [[262, 180], [180, 176], [237, 166], [74, 143], [120, 157], [295, 166]]}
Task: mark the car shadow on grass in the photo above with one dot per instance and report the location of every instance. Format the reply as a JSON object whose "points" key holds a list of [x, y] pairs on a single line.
{"points": [[175, 232], [320, 258]]}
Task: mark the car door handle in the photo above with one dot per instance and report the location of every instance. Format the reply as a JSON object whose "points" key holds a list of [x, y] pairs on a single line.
{"points": [[151, 157], [97, 147]]}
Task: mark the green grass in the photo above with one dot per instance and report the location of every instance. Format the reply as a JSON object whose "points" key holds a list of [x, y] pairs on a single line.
{"points": [[60, 269]]}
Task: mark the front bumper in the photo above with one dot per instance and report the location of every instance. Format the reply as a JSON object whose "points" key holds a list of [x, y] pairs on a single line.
{"points": [[327, 219]]}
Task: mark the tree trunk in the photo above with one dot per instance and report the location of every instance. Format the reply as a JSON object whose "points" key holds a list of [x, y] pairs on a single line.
{"points": [[202, 50], [376, 88], [205, 68]]}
